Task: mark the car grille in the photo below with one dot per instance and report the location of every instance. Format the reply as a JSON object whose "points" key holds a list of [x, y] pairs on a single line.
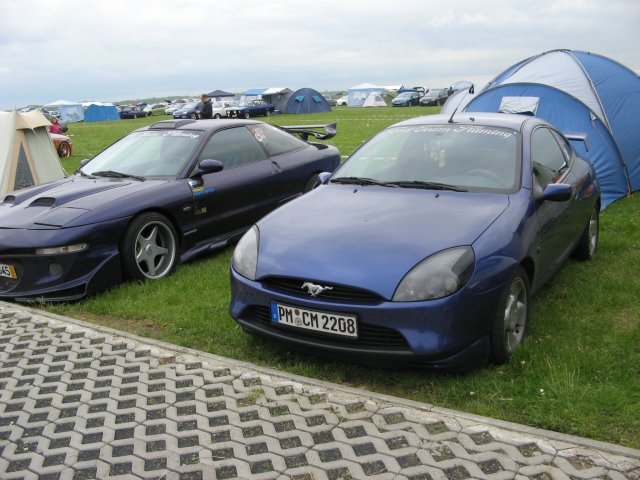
{"points": [[369, 335], [337, 292]]}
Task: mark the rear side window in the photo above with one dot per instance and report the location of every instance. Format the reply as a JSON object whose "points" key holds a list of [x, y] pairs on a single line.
{"points": [[549, 159], [234, 147], [276, 141]]}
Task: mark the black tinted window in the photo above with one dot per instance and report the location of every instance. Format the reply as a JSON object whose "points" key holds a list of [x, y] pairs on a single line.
{"points": [[233, 147], [548, 158]]}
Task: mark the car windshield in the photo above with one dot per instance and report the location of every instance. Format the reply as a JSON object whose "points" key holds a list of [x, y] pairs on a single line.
{"points": [[458, 157], [435, 93], [404, 95], [149, 153], [190, 105]]}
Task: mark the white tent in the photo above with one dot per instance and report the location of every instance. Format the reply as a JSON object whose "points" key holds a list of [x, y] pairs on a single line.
{"points": [[374, 99], [27, 154], [359, 93], [69, 111]]}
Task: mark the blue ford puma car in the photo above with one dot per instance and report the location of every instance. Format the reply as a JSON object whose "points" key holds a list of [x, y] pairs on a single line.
{"points": [[425, 247]]}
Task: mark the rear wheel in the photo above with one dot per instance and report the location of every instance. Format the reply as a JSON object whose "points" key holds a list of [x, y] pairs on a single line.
{"points": [[268, 113], [246, 115], [512, 318], [64, 149], [588, 244], [149, 247], [217, 116]]}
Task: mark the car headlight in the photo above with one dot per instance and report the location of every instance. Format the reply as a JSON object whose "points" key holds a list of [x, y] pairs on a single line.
{"points": [[245, 256], [437, 276], [78, 247]]}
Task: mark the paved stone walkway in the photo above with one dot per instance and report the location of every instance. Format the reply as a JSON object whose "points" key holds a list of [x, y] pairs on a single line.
{"points": [[84, 402]]}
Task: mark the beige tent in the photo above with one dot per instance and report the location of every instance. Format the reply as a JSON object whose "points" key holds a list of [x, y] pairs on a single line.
{"points": [[27, 154]]}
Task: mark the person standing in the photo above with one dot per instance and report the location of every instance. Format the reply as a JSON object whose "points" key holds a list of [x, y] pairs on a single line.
{"points": [[207, 108]]}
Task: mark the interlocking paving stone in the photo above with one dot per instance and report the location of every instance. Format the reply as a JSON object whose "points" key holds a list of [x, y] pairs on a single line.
{"points": [[83, 402]]}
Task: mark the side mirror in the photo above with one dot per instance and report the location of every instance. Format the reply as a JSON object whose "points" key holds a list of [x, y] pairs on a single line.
{"points": [[557, 192], [323, 177], [209, 166], [83, 162]]}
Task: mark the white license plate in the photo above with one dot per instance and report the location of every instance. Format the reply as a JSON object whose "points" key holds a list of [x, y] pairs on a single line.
{"points": [[326, 322], [7, 271]]}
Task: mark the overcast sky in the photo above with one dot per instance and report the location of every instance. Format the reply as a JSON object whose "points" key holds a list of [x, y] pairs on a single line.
{"points": [[130, 49]]}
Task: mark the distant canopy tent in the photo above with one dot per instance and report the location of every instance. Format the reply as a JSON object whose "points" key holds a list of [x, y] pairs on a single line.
{"points": [[358, 94], [27, 154], [100, 112], [220, 95], [277, 96], [69, 111], [307, 100], [578, 92]]}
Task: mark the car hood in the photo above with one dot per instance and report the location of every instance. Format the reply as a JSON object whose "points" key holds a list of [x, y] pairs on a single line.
{"points": [[369, 237], [66, 202]]}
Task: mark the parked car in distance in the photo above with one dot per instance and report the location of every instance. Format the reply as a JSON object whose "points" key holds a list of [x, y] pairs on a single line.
{"points": [[169, 110], [132, 112], [406, 99], [424, 247], [189, 110], [331, 101], [251, 108], [219, 109], [342, 100], [62, 144], [155, 108], [161, 195], [434, 97]]}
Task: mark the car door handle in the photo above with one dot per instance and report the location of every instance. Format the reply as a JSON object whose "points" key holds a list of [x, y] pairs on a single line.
{"points": [[276, 167]]}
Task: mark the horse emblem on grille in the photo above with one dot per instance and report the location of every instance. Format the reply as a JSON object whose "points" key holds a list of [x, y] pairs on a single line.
{"points": [[313, 289]]}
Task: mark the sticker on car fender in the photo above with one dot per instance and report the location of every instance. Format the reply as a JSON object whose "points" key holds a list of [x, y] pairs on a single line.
{"points": [[8, 271], [325, 322]]}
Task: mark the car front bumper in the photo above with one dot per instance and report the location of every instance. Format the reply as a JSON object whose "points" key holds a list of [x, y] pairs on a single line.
{"points": [[447, 333]]}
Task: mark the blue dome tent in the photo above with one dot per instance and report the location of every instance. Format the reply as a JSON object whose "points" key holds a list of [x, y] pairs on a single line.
{"points": [[578, 92], [306, 100]]}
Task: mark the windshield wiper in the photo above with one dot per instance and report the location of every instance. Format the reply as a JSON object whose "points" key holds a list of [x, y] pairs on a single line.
{"points": [[114, 174], [362, 181], [430, 185], [83, 174]]}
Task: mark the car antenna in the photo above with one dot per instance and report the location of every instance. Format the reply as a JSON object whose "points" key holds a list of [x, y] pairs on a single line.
{"points": [[471, 90]]}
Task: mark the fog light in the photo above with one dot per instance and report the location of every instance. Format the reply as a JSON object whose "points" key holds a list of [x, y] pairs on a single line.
{"points": [[55, 269]]}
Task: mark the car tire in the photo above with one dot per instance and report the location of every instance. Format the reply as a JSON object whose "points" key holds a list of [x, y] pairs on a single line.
{"points": [[217, 116], [246, 115], [268, 113], [313, 182], [588, 244], [149, 247], [511, 321], [64, 149], [193, 116]]}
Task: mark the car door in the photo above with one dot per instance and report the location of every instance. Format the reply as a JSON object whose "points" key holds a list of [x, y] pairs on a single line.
{"points": [[550, 164], [240, 194]]}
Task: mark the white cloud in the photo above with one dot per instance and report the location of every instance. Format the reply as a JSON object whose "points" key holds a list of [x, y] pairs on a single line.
{"points": [[123, 49]]}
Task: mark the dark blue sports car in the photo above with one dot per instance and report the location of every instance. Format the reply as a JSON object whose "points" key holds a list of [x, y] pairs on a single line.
{"points": [[424, 247], [161, 195]]}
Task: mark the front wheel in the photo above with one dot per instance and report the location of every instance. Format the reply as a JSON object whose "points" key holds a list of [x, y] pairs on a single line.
{"points": [[148, 247], [512, 318], [246, 115], [588, 243], [313, 182], [193, 116]]}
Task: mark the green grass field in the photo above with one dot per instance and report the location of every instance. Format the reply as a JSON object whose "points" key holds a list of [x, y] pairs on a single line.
{"points": [[578, 373]]}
